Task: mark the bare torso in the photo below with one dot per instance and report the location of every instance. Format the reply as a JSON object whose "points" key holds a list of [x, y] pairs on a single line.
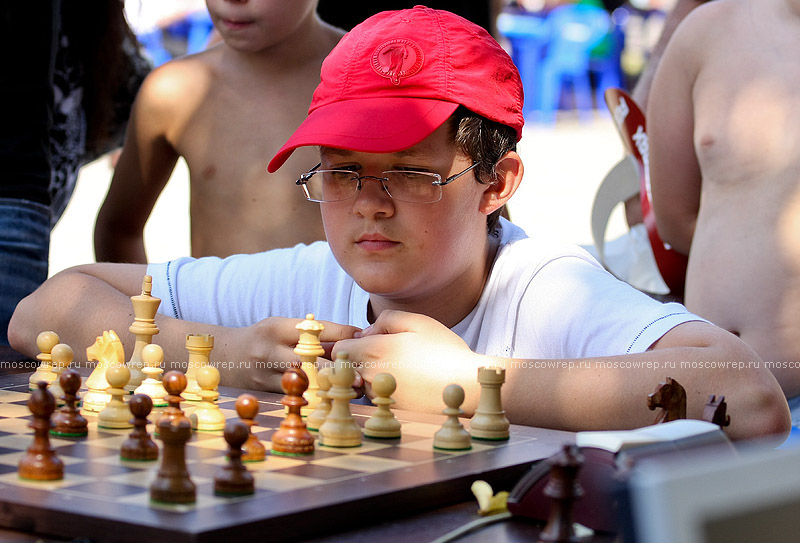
{"points": [[744, 267], [236, 206]]}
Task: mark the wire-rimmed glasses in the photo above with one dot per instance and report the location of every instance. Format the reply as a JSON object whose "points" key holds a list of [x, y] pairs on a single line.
{"points": [[403, 185]]}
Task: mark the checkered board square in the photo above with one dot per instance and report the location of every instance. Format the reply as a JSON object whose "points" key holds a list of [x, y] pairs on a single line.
{"points": [[105, 498]]}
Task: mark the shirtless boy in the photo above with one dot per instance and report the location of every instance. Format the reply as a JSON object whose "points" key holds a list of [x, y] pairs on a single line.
{"points": [[724, 125], [224, 111], [416, 121]]}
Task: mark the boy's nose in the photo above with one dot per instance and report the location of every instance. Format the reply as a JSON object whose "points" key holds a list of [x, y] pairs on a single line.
{"points": [[373, 198]]}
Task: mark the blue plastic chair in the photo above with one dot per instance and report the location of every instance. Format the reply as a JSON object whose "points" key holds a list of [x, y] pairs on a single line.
{"points": [[153, 44], [575, 29], [527, 33], [200, 27], [606, 67]]}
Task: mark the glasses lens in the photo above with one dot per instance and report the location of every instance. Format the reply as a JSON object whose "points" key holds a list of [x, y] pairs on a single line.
{"points": [[331, 185], [417, 187]]}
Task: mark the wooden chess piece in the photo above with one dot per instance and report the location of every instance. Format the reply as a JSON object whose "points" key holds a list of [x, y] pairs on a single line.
{"points": [[308, 349], [45, 342], [293, 438], [670, 396], [199, 347], [207, 416], [452, 436], [116, 413], [107, 351], [68, 421], [340, 428], [61, 356], [234, 479], [174, 383], [489, 421], [173, 483], [139, 445], [563, 489], [383, 424], [318, 416], [247, 409], [152, 358], [40, 462], [145, 307], [716, 411]]}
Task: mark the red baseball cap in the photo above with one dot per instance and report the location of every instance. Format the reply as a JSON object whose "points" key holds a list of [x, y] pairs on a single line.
{"points": [[395, 78]]}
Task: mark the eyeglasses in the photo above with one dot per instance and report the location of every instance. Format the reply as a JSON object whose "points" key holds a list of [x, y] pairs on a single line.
{"points": [[402, 185]]}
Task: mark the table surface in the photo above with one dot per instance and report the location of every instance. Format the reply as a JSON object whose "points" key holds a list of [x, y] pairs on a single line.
{"points": [[426, 526]]}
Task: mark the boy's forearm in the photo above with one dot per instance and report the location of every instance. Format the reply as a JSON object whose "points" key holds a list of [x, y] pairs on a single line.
{"points": [[611, 392], [79, 305]]}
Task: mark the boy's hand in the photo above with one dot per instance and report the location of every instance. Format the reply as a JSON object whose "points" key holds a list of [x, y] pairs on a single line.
{"points": [[265, 350], [418, 350]]}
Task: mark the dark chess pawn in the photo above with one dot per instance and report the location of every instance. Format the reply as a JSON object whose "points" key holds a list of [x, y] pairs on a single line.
{"points": [[139, 445], [174, 383], [563, 489], [293, 438], [172, 483], [233, 479], [68, 421], [247, 409], [40, 461]]}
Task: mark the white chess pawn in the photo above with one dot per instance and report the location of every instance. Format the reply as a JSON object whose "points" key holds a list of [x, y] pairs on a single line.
{"points": [[116, 414], [152, 358], [383, 424], [452, 436], [62, 356], [318, 416], [339, 428], [207, 416], [45, 343]]}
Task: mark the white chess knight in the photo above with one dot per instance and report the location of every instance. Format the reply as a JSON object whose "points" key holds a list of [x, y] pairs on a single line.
{"points": [[107, 351]]}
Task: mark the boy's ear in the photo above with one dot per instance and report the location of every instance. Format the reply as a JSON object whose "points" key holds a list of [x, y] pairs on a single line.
{"points": [[508, 175]]}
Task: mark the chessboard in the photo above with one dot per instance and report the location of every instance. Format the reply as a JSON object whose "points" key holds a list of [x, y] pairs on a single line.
{"points": [[106, 499]]}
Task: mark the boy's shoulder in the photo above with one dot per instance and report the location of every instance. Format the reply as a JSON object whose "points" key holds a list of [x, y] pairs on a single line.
{"points": [[181, 77], [709, 22], [533, 252]]}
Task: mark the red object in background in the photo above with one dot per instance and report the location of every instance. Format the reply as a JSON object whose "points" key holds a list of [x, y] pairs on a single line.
{"points": [[630, 122]]}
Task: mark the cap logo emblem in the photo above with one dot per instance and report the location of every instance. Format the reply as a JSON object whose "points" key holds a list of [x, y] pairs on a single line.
{"points": [[396, 59]]}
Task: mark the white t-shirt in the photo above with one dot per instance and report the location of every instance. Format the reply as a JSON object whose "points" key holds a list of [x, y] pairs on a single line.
{"points": [[541, 300]]}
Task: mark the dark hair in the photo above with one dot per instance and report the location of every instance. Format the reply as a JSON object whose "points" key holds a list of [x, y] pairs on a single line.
{"points": [[100, 37], [485, 142]]}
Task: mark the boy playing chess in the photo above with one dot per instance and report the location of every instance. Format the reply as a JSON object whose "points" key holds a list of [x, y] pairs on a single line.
{"points": [[416, 120]]}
